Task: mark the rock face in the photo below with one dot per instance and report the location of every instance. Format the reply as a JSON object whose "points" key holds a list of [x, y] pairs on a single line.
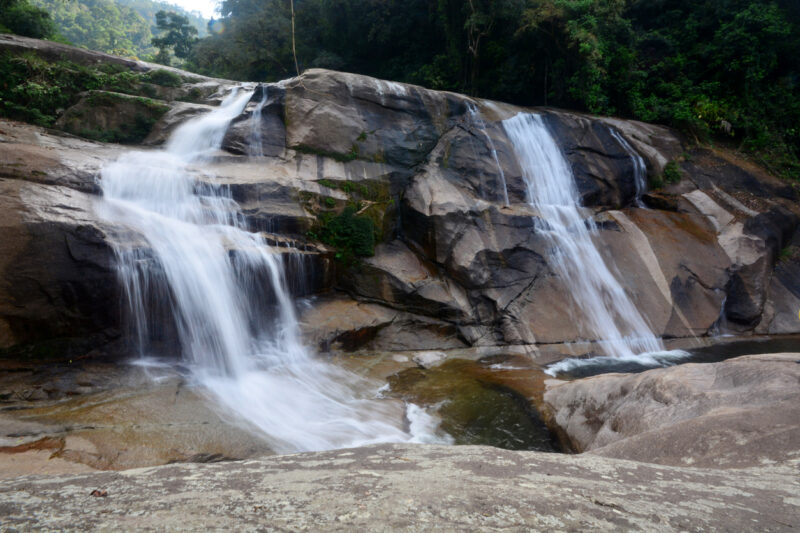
{"points": [[713, 253], [741, 412], [410, 488], [58, 281], [67, 295]]}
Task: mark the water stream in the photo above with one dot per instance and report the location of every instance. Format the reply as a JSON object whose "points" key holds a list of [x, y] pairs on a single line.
{"points": [[194, 263], [602, 303], [255, 141], [639, 167], [478, 121]]}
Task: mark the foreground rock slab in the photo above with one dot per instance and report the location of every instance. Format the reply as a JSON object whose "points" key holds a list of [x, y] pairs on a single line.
{"points": [[410, 488]]}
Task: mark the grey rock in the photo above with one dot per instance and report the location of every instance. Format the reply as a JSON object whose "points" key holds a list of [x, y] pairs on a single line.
{"points": [[270, 129], [102, 114], [69, 294], [348, 115], [410, 488]]}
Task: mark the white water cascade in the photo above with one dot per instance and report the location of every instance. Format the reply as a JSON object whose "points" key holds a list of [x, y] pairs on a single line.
{"points": [[639, 167], [200, 268], [603, 305], [256, 145], [475, 117]]}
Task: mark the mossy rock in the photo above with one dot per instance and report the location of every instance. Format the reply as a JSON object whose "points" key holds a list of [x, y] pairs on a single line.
{"points": [[163, 77], [112, 117]]}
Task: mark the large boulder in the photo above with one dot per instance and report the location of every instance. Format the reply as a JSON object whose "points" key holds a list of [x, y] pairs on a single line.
{"points": [[112, 117], [57, 280], [349, 116], [733, 414]]}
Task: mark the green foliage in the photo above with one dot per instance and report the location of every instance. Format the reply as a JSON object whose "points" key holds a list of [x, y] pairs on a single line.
{"points": [[165, 78], [148, 9], [24, 18], [177, 35], [655, 182], [672, 173], [121, 27], [100, 25], [35, 90], [720, 71], [351, 234]]}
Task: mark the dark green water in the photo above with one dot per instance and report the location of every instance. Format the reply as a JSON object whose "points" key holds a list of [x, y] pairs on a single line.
{"points": [[477, 403]]}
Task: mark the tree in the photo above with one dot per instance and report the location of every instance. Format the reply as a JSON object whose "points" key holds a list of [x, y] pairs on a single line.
{"points": [[22, 18], [180, 36]]}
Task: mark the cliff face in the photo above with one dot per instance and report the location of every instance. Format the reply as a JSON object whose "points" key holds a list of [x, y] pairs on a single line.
{"points": [[454, 265]]}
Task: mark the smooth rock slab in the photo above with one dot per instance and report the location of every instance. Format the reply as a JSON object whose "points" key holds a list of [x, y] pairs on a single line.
{"points": [[736, 413], [410, 488]]}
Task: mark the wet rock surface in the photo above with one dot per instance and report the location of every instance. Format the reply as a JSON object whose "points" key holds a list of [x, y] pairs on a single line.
{"points": [[410, 488], [93, 414]]}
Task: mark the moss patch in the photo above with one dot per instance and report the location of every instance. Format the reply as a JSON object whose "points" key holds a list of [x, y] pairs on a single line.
{"points": [[33, 89], [351, 234], [163, 77], [112, 117]]}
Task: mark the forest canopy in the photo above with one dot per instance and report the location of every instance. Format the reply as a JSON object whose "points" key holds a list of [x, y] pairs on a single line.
{"points": [[724, 71], [121, 27], [717, 69]]}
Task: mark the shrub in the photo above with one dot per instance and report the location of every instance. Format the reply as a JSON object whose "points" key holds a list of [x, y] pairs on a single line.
{"points": [[33, 89], [25, 19], [351, 234], [672, 172], [163, 77]]}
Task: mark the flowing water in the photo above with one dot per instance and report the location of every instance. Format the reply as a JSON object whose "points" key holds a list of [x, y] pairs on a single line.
{"points": [[256, 141], [721, 350], [601, 302], [194, 264], [476, 119], [639, 167]]}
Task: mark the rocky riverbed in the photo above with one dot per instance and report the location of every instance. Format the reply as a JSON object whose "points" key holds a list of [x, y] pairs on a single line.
{"points": [[458, 310]]}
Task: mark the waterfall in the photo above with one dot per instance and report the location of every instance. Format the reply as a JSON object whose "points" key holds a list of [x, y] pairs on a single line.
{"points": [[476, 119], [639, 167], [256, 141], [604, 306], [211, 278]]}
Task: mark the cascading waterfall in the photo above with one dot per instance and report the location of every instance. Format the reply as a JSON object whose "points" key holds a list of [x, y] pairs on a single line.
{"points": [[639, 167], [621, 330], [476, 119], [255, 142], [211, 277]]}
